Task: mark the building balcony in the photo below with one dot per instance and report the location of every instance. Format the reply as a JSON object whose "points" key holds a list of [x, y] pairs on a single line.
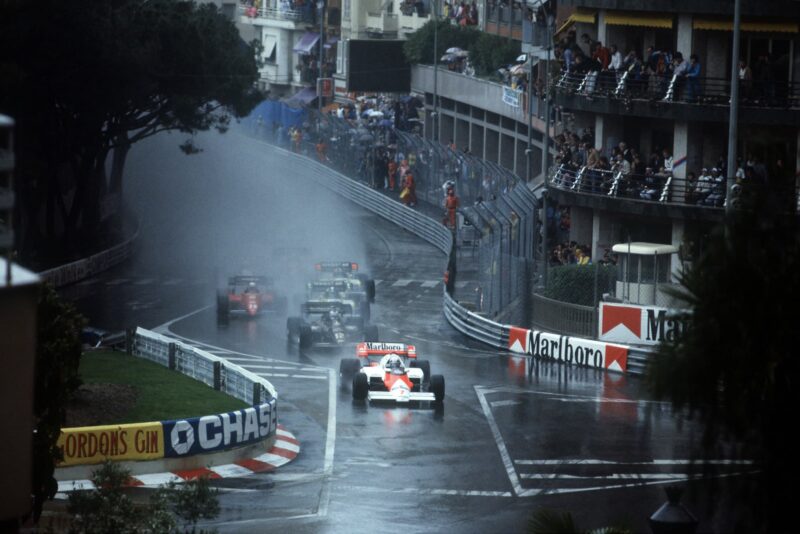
{"points": [[281, 17], [382, 23], [411, 22], [757, 8], [654, 195], [698, 99], [505, 21]]}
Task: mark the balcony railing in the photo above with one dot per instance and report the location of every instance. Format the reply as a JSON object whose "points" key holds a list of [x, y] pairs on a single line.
{"points": [[627, 85], [504, 14], [293, 15], [657, 188]]}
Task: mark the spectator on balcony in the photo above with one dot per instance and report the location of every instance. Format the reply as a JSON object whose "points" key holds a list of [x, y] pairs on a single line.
{"points": [[602, 55], [622, 165], [703, 186], [691, 187], [588, 42], [745, 81], [717, 195], [616, 61], [666, 161], [653, 184], [693, 79]]}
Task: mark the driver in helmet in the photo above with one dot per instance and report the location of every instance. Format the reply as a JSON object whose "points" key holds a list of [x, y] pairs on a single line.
{"points": [[251, 288], [332, 316], [395, 365]]}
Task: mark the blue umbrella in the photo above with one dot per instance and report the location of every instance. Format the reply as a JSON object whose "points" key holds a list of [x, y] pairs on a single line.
{"points": [[386, 123]]}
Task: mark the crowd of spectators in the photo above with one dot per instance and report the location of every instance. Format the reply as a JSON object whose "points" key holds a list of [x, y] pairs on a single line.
{"points": [[461, 13]]}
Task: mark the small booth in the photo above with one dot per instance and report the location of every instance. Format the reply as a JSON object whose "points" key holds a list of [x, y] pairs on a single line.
{"points": [[644, 272]]}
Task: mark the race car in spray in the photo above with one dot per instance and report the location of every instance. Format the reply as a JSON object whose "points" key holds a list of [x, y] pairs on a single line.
{"points": [[328, 323], [346, 270], [391, 372], [348, 291], [248, 295]]}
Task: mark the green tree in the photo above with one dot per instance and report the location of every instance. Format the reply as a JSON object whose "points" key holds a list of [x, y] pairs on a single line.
{"points": [[490, 52], [58, 354], [108, 508], [419, 45], [86, 80], [736, 367]]}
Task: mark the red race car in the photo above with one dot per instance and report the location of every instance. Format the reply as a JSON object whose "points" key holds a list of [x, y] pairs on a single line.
{"points": [[248, 295]]}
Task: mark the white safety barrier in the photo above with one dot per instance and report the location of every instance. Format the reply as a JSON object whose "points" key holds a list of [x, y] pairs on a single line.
{"points": [[200, 365]]}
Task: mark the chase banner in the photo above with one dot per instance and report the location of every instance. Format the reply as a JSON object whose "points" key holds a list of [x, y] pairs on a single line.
{"points": [[199, 435]]}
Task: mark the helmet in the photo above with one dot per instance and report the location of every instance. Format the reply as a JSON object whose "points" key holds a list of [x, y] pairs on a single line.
{"points": [[395, 365]]}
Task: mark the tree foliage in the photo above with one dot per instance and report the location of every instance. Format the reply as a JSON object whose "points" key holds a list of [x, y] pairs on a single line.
{"points": [[58, 353], [85, 80], [108, 508], [736, 367], [487, 52], [575, 283]]}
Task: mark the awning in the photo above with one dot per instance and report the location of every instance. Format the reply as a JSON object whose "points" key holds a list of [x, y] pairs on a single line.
{"points": [[306, 43], [269, 45], [304, 96], [638, 19], [580, 15], [747, 26]]}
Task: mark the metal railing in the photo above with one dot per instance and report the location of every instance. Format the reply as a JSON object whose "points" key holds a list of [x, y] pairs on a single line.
{"points": [[654, 187], [294, 15], [200, 365], [631, 84], [564, 317]]}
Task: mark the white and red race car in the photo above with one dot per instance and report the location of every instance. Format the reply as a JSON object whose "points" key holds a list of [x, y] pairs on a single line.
{"points": [[391, 372]]}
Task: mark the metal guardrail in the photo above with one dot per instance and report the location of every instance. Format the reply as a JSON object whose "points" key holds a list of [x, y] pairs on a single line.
{"points": [[94, 264], [200, 365]]}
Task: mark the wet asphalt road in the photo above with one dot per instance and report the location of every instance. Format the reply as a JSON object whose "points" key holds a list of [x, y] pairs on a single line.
{"points": [[513, 434]]}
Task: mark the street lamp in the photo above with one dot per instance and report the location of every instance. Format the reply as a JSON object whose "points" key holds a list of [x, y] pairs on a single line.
{"points": [[321, 14]]}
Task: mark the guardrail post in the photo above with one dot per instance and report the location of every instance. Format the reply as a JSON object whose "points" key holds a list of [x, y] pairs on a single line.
{"points": [[256, 393], [171, 356], [130, 337], [217, 375]]}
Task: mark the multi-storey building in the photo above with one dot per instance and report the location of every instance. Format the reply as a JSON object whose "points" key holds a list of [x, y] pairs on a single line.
{"points": [[684, 117]]}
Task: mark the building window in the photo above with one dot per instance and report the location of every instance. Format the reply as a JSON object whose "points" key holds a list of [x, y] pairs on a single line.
{"points": [[346, 10]]}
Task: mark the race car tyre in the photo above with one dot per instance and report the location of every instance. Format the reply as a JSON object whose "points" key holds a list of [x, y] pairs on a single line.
{"points": [[348, 367], [293, 327], [365, 310], [305, 337], [371, 290], [222, 308], [437, 387], [371, 333], [281, 305], [425, 365], [360, 386]]}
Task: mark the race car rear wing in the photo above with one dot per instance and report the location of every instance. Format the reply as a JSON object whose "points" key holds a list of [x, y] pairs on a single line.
{"points": [[335, 285], [369, 348], [313, 307], [336, 266], [243, 280]]}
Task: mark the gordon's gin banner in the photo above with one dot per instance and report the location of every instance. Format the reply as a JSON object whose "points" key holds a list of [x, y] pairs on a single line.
{"points": [[638, 325]]}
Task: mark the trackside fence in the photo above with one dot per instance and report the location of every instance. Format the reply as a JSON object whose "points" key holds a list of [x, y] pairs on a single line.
{"points": [[200, 365]]}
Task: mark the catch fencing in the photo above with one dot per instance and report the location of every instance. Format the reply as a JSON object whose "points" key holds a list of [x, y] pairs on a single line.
{"points": [[200, 365]]}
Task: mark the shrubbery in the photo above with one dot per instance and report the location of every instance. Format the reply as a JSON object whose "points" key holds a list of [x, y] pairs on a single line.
{"points": [[575, 283], [487, 52]]}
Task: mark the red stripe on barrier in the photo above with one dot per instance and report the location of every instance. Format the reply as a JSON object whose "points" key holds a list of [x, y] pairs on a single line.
{"points": [[255, 465], [283, 452], [287, 439], [191, 474], [133, 482]]}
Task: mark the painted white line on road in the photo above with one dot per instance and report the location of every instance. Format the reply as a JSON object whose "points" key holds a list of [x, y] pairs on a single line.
{"points": [[144, 282], [501, 446], [497, 404], [424, 491], [633, 483], [117, 281], [616, 476], [402, 283], [330, 445], [430, 283], [313, 377], [249, 366], [578, 461], [274, 375]]}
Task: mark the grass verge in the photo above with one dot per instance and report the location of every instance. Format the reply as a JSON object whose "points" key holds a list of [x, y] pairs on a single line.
{"points": [[161, 394]]}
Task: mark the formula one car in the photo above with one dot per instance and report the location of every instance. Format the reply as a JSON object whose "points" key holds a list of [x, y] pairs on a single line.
{"points": [[248, 295], [346, 290], [328, 323], [391, 372], [346, 270]]}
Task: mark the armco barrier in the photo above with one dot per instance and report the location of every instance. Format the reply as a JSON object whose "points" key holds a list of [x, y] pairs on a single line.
{"points": [[94, 264], [468, 323], [184, 437]]}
